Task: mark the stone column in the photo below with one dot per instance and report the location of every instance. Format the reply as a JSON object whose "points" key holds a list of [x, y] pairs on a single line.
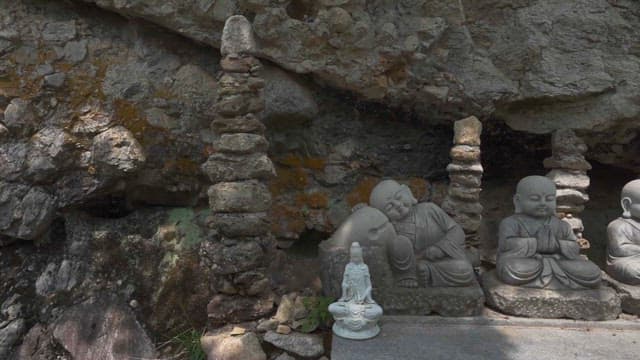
{"points": [[239, 198], [465, 178], [569, 172]]}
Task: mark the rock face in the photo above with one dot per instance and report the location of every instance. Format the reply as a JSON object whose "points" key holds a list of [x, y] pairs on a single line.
{"points": [[522, 63], [596, 304], [101, 331]]}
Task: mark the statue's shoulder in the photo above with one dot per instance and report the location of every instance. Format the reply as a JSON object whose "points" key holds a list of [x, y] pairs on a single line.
{"points": [[514, 220], [622, 224], [428, 207]]}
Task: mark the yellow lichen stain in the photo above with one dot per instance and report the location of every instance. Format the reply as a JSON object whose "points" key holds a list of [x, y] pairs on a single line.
{"points": [[127, 115], [360, 193], [313, 200], [312, 163], [163, 93], [287, 220], [288, 179], [419, 187], [10, 84]]}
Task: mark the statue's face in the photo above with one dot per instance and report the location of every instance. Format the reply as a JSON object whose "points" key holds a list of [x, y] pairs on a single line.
{"points": [[399, 203], [537, 201], [356, 256]]}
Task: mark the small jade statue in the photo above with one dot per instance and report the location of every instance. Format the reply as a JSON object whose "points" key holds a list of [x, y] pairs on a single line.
{"points": [[356, 314], [623, 245], [538, 250], [429, 249]]}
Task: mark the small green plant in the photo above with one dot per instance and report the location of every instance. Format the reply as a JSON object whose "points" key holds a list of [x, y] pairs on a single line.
{"points": [[186, 345], [319, 315]]}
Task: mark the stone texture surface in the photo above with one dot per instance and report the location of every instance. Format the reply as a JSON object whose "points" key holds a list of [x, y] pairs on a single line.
{"points": [[493, 337], [225, 168], [459, 301], [596, 304], [305, 345], [244, 196], [629, 295], [222, 345], [25, 213], [102, 331]]}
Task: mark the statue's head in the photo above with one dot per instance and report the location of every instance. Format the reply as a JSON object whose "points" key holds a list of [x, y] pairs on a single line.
{"points": [[367, 226], [355, 253], [535, 196], [393, 199], [630, 200]]}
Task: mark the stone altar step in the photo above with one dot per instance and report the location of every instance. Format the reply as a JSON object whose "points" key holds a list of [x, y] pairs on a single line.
{"points": [[494, 337]]}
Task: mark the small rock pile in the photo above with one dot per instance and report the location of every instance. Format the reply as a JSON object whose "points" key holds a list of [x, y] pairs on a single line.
{"points": [[465, 175], [569, 172], [239, 197]]}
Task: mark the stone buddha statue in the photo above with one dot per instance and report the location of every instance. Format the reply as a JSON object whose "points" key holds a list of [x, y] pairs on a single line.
{"points": [[538, 250], [429, 249], [356, 314], [623, 243]]}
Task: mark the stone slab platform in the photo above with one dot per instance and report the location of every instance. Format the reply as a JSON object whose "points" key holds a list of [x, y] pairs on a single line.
{"points": [[629, 295], [593, 304], [499, 338], [445, 301]]}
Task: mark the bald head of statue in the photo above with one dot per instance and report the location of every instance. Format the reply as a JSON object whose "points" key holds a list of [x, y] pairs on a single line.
{"points": [[630, 199], [535, 196]]}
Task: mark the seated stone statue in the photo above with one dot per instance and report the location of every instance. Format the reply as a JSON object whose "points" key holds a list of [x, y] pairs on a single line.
{"points": [[623, 246], [356, 314], [429, 249], [538, 250]]}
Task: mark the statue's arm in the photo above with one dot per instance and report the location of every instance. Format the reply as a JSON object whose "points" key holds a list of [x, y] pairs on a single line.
{"points": [[511, 243], [620, 242], [452, 243], [568, 242], [367, 291]]}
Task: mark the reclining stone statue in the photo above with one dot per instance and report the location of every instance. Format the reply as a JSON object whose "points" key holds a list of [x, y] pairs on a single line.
{"points": [[623, 243], [429, 248], [356, 314], [538, 250]]}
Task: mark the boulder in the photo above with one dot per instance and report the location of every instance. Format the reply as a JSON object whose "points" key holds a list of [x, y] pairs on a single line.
{"points": [[305, 345], [222, 345], [102, 330]]}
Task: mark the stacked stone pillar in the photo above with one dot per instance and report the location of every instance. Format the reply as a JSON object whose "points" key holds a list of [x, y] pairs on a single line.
{"points": [[465, 175], [569, 172], [239, 197]]}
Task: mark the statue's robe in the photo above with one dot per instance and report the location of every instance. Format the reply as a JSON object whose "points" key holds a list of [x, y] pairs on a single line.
{"points": [[424, 226], [542, 255], [623, 250]]}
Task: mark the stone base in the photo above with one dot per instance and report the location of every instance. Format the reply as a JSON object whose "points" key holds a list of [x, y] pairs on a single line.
{"points": [[629, 295], [445, 301], [593, 304], [366, 333]]}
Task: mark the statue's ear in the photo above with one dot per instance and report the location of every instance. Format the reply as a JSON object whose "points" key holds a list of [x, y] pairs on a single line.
{"points": [[626, 207], [516, 203]]}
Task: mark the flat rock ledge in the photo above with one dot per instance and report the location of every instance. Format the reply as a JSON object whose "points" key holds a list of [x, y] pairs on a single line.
{"points": [[445, 301], [629, 295], [596, 304]]}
